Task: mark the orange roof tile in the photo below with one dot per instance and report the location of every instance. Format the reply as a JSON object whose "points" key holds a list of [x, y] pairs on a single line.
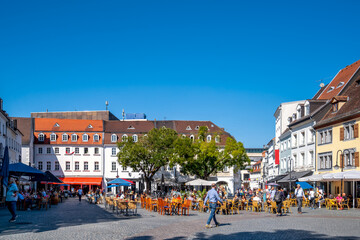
{"points": [[344, 75], [73, 125]]}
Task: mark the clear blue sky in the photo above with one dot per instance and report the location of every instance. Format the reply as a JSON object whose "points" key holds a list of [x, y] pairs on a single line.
{"points": [[231, 62]]}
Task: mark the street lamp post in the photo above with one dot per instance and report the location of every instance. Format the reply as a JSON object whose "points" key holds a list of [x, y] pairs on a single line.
{"points": [[336, 167], [290, 175]]}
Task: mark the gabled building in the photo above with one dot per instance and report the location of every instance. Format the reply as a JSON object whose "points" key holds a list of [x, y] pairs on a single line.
{"points": [[72, 149], [338, 141]]}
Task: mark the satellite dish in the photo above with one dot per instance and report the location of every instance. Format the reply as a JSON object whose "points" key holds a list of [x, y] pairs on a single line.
{"points": [[322, 84]]}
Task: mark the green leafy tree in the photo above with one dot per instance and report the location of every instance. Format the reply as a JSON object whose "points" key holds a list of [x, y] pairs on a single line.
{"points": [[203, 159], [150, 153]]}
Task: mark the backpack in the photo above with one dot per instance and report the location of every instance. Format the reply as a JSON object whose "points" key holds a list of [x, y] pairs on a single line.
{"points": [[277, 197]]}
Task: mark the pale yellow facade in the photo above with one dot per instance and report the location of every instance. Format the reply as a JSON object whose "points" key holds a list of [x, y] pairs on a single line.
{"points": [[331, 148]]}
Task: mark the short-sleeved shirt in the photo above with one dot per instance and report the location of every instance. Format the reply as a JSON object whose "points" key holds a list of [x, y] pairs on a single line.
{"points": [[10, 193]]}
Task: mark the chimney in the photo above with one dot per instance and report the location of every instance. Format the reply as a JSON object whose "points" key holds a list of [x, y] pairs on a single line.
{"points": [[15, 124], [1, 104]]}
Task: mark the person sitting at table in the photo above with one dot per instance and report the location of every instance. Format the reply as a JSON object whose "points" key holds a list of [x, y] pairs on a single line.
{"points": [[339, 199], [257, 199]]}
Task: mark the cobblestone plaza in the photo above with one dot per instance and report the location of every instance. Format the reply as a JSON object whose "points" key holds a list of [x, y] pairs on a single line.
{"points": [[74, 220]]}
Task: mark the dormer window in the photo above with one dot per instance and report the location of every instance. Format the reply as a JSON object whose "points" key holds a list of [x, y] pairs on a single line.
{"points": [[335, 107], [85, 137], [135, 138], [197, 128], [96, 138], [289, 120], [74, 137], [113, 138], [124, 138], [53, 137], [65, 137], [131, 127], [90, 126], [340, 84], [330, 89], [41, 137], [294, 116], [56, 125], [188, 128]]}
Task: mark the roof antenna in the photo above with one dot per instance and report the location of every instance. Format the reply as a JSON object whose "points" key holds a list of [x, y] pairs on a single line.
{"points": [[106, 104], [123, 114]]}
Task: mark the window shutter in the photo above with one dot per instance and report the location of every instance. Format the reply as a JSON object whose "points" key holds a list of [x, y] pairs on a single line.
{"points": [[342, 134], [357, 159], [356, 130], [341, 161]]}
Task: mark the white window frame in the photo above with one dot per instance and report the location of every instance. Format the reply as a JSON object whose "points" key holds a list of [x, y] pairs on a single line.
{"points": [[96, 138], [40, 150], [77, 150], [112, 151], [124, 138], [208, 138], [48, 150], [64, 137], [77, 166], [67, 166], [48, 163], [113, 166], [41, 137], [56, 150], [96, 166], [86, 166], [96, 151], [192, 137], [113, 138], [53, 137], [85, 137], [40, 165], [135, 138], [74, 137], [57, 166]]}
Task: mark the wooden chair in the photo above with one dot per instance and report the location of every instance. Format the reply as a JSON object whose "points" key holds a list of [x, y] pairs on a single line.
{"points": [[256, 206], [345, 204], [43, 203], [235, 207], [286, 207], [186, 207], [223, 208], [358, 202], [248, 206], [293, 202], [306, 202], [132, 205], [331, 204], [273, 207]]}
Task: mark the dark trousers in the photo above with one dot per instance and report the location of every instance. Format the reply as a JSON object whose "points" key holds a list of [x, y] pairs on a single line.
{"points": [[212, 214], [80, 197], [11, 205], [312, 202], [279, 206], [299, 203]]}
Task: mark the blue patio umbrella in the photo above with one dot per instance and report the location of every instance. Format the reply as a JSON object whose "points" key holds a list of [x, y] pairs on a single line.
{"points": [[120, 182], [304, 185], [5, 167], [20, 169], [111, 186]]}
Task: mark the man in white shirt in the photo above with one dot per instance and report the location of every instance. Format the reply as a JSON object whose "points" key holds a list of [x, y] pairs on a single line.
{"points": [[299, 193]]}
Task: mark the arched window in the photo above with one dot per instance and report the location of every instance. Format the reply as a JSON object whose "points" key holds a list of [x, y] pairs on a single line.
{"points": [[208, 138], [41, 137], [74, 137], [85, 137], [124, 138], [53, 137], [96, 137], [135, 138], [183, 136], [217, 139], [65, 137], [113, 138]]}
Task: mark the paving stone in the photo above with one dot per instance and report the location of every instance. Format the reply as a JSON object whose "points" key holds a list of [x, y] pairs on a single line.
{"points": [[74, 220]]}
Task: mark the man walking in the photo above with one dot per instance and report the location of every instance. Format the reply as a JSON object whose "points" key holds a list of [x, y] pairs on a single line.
{"points": [[279, 198], [299, 193], [80, 192], [213, 197], [11, 199]]}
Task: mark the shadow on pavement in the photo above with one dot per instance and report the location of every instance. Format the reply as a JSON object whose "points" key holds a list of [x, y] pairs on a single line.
{"points": [[67, 214], [279, 234]]}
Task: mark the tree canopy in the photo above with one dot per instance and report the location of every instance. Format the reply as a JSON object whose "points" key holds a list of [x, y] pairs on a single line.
{"points": [[203, 159], [150, 153]]}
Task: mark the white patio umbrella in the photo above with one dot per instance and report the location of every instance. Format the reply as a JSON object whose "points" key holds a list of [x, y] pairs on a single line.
{"points": [[199, 182]]}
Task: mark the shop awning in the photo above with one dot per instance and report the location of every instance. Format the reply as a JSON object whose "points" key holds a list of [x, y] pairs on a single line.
{"points": [[276, 179], [82, 180], [295, 176]]}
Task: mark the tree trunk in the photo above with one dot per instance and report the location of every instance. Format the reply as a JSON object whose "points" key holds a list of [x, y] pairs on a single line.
{"points": [[148, 185]]}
